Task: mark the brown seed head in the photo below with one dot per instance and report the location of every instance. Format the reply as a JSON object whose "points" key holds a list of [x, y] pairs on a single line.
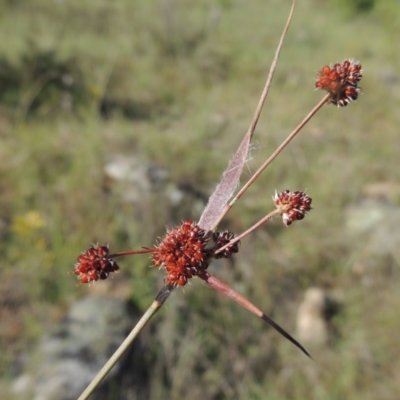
{"points": [[221, 239], [182, 252], [341, 81], [293, 206], [94, 264]]}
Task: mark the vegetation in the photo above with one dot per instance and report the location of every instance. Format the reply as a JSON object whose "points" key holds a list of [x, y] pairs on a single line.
{"points": [[175, 83]]}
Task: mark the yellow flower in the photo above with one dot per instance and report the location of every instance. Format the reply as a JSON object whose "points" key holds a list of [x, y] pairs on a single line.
{"points": [[24, 225]]}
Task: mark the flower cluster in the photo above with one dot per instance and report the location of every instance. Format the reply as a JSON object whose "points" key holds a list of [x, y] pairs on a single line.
{"points": [[223, 238], [293, 206], [94, 264], [341, 81], [185, 251], [182, 252]]}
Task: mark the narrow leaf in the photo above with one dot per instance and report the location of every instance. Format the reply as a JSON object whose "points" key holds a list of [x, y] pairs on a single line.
{"points": [[217, 205], [226, 187], [228, 291]]}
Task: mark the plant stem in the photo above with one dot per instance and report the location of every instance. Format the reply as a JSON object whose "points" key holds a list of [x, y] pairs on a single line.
{"points": [[223, 288], [131, 252], [274, 155], [209, 220], [271, 72], [151, 311], [251, 229]]}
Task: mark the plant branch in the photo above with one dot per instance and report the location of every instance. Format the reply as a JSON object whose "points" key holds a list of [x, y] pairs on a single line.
{"points": [[251, 229], [131, 252], [151, 311], [214, 211], [275, 154], [271, 72]]}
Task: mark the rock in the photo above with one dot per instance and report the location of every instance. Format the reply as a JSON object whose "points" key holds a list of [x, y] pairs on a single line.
{"points": [[374, 223], [313, 318], [67, 360], [137, 181], [139, 178]]}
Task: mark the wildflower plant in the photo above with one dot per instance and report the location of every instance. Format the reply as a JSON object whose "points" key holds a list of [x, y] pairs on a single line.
{"points": [[187, 250]]}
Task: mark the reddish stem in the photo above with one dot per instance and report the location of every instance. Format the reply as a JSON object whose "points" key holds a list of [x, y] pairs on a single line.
{"points": [[131, 252], [228, 291], [272, 157], [245, 233]]}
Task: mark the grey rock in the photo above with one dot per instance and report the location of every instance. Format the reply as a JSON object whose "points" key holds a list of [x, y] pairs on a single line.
{"points": [[372, 225], [313, 322], [68, 359]]}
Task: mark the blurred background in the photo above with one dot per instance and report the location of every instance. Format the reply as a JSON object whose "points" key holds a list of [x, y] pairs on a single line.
{"points": [[117, 119]]}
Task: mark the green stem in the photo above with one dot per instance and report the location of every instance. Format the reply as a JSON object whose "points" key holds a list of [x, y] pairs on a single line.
{"points": [[151, 311]]}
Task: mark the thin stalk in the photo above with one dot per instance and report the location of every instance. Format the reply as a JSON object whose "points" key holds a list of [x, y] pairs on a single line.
{"points": [[271, 72], [251, 229], [209, 220], [151, 311], [131, 252], [273, 156]]}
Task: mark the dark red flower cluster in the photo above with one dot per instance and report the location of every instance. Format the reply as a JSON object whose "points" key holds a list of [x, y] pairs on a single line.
{"points": [[341, 81], [182, 252], [293, 206], [94, 264], [221, 239]]}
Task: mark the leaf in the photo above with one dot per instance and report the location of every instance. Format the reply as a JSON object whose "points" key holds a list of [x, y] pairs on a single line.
{"points": [[217, 206], [226, 187], [222, 287]]}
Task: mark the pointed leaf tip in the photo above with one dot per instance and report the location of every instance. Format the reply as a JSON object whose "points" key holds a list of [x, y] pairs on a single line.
{"points": [[285, 334], [225, 289]]}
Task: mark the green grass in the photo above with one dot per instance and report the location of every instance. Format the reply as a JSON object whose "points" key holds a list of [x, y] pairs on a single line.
{"points": [[184, 79]]}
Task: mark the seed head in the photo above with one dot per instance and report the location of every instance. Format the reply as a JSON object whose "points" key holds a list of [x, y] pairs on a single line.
{"points": [[341, 81], [94, 264], [221, 239], [293, 206], [182, 252]]}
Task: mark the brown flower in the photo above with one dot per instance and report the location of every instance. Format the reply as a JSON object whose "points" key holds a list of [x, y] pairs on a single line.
{"points": [[341, 81], [182, 252], [293, 206], [221, 239], [94, 264]]}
